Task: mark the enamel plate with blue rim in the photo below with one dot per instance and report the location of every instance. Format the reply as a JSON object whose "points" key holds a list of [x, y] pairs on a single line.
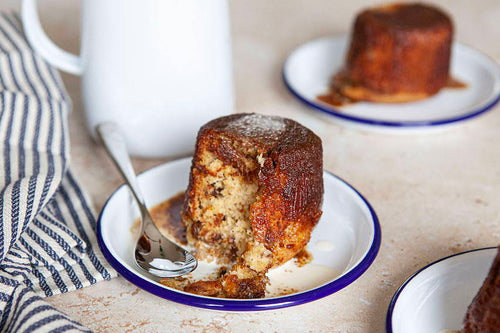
{"points": [[308, 70], [435, 299], [343, 244]]}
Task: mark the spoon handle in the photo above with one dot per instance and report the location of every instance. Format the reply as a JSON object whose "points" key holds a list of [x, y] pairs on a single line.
{"points": [[112, 139]]}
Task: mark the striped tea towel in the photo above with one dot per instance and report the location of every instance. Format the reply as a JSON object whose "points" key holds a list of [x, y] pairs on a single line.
{"points": [[47, 226]]}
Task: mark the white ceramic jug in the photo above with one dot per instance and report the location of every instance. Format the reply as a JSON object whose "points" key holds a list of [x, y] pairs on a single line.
{"points": [[158, 68]]}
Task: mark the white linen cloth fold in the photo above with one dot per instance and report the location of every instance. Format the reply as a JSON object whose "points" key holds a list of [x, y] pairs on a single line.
{"points": [[47, 225]]}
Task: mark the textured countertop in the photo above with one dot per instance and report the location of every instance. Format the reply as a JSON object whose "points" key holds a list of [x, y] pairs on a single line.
{"points": [[435, 194]]}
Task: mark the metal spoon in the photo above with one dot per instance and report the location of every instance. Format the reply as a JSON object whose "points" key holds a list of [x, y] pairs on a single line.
{"points": [[154, 253]]}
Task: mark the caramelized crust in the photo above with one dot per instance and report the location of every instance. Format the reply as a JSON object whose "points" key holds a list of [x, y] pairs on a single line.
{"points": [[483, 314], [254, 196], [254, 287], [205, 288], [398, 53]]}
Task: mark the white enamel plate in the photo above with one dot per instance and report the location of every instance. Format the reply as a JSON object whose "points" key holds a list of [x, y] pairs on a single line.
{"points": [[343, 244], [308, 70], [437, 296]]}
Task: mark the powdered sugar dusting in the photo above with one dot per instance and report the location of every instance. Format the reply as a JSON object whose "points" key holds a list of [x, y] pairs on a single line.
{"points": [[257, 125]]}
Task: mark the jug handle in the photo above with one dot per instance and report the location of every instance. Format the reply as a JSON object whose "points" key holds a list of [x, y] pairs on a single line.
{"points": [[43, 45]]}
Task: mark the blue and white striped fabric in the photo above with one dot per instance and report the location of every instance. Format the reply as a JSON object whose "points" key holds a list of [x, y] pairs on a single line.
{"points": [[47, 226]]}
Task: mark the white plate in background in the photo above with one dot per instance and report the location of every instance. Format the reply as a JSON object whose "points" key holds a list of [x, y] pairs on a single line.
{"points": [[308, 70], [436, 297]]}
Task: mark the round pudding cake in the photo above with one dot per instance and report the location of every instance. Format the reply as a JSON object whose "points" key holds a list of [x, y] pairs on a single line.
{"points": [[254, 196], [483, 314], [398, 53]]}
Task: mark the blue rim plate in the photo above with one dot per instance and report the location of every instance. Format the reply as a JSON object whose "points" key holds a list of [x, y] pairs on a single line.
{"points": [[352, 218], [308, 70], [436, 297]]}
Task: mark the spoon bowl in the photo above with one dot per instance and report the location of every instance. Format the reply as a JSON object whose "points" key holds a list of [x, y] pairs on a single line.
{"points": [[158, 255]]}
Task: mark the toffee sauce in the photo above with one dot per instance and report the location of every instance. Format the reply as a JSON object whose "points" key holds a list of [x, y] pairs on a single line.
{"points": [[334, 96], [167, 217]]}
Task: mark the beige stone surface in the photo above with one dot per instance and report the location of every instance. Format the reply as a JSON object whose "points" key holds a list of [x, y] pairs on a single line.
{"points": [[435, 194]]}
